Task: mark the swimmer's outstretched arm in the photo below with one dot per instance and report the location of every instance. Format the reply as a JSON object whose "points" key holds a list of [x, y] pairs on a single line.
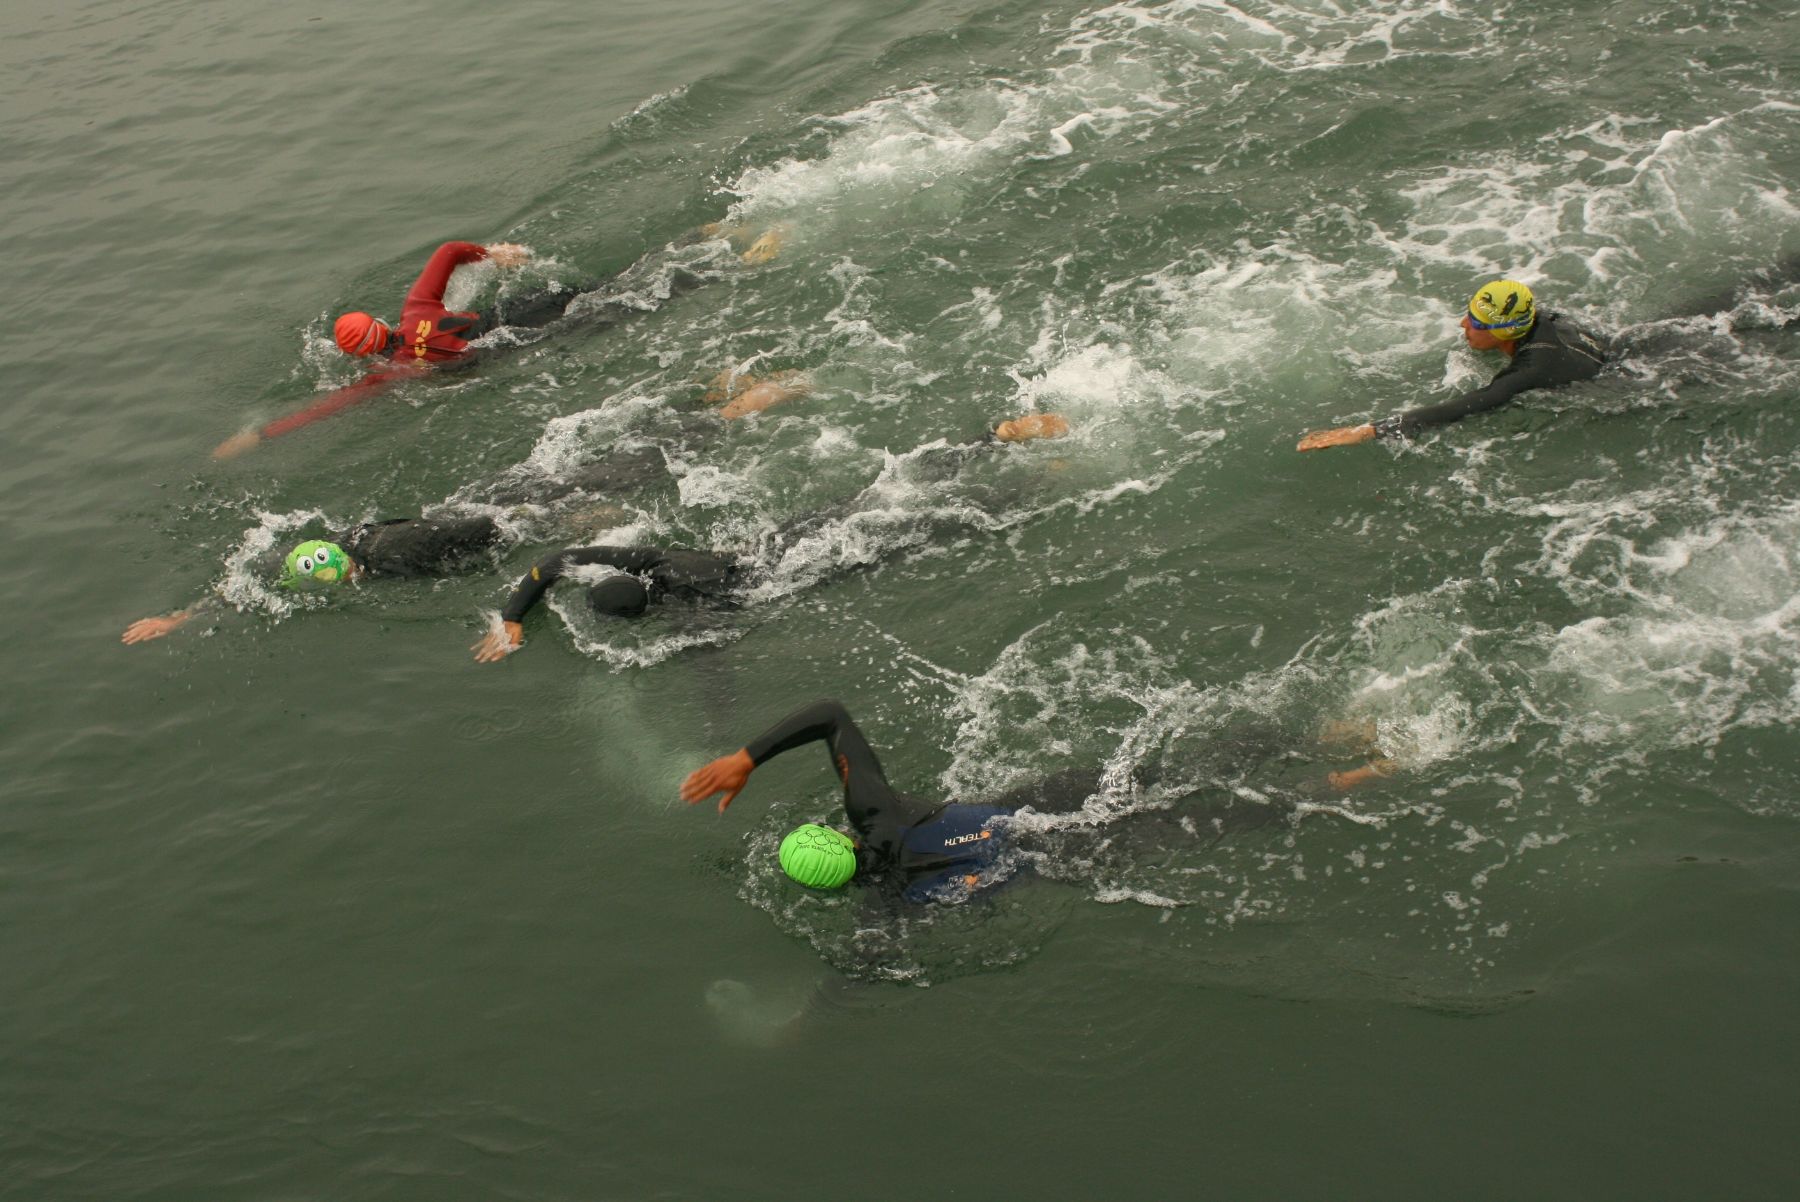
{"points": [[145, 629], [323, 407], [1032, 426], [1502, 388], [1351, 778], [497, 644]]}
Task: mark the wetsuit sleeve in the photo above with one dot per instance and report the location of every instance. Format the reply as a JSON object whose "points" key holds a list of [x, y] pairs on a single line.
{"points": [[342, 398], [428, 289], [547, 571], [1504, 387], [869, 801]]}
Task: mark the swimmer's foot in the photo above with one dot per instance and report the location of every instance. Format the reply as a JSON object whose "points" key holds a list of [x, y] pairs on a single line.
{"points": [[1031, 426], [766, 247], [759, 249], [747, 395]]}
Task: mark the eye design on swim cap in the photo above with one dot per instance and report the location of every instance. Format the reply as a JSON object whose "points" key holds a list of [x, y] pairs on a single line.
{"points": [[818, 857], [315, 562]]}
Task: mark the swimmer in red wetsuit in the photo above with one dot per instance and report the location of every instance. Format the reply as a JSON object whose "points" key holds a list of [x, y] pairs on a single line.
{"points": [[428, 334]]}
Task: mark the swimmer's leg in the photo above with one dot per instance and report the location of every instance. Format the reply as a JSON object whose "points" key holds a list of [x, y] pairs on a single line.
{"points": [[537, 309], [1061, 792]]}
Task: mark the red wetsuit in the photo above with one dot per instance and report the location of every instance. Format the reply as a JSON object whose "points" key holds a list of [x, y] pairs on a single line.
{"points": [[428, 333]]}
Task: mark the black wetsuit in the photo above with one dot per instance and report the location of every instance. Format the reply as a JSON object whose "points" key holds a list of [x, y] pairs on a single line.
{"points": [[421, 546], [941, 850], [627, 470], [1555, 352], [697, 576]]}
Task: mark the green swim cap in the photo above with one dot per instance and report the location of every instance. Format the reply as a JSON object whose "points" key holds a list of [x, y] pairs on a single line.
{"points": [[818, 857], [316, 562]]}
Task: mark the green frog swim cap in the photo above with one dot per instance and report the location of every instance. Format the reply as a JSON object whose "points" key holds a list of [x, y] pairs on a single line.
{"points": [[316, 562], [818, 857]]}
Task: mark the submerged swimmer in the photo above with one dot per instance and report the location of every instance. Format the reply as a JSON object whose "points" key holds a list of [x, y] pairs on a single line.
{"points": [[1546, 350], [399, 547], [633, 465], [430, 335], [653, 575], [927, 851]]}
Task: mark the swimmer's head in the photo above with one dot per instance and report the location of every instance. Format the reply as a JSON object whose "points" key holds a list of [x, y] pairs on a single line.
{"points": [[315, 563], [619, 597], [360, 334], [818, 857], [1503, 310]]}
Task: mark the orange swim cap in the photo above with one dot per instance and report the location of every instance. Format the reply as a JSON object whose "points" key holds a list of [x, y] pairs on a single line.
{"points": [[360, 334]]}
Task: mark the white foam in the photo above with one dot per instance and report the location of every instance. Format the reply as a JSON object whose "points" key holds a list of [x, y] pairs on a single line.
{"points": [[246, 584]]}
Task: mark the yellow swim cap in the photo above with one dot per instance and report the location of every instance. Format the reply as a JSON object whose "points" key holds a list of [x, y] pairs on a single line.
{"points": [[1503, 308]]}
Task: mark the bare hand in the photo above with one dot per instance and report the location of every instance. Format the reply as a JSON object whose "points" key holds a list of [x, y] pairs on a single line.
{"points": [[728, 775], [145, 629], [766, 247], [236, 445], [496, 645], [1343, 436], [508, 254], [1373, 770], [1032, 425]]}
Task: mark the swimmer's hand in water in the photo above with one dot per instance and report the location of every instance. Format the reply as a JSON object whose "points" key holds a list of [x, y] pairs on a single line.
{"points": [[1343, 436], [728, 775], [766, 247], [145, 629], [507, 254], [1373, 770], [1032, 425], [499, 643], [236, 445]]}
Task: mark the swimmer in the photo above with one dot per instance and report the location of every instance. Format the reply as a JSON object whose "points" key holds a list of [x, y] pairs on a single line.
{"points": [[1546, 350], [737, 395], [928, 851], [398, 547], [430, 335], [653, 575]]}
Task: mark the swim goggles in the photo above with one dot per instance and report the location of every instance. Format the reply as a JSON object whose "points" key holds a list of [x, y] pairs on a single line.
{"points": [[1477, 324]]}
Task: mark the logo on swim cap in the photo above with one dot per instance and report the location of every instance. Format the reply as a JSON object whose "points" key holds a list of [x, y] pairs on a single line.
{"points": [[1503, 308], [316, 562], [818, 857], [359, 334]]}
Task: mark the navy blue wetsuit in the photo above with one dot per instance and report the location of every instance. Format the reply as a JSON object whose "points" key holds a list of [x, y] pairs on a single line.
{"points": [[939, 851], [933, 848]]}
